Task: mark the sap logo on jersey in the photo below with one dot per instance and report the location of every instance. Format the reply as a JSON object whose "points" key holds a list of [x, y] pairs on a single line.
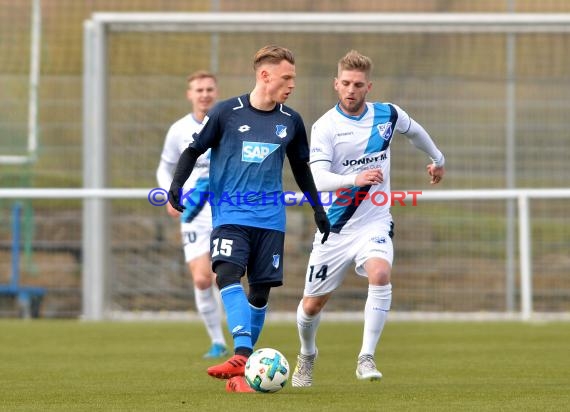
{"points": [[256, 152]]}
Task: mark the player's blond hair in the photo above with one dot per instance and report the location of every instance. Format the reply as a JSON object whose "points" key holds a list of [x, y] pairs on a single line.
{"points": [[353, 60], [201, 74], [272, 54]]}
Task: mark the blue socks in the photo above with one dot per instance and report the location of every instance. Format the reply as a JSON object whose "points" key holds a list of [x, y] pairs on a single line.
{"points": [[257, 321], [238, 315], [245, 321]]}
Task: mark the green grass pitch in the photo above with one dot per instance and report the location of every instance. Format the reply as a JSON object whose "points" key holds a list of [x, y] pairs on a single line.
{"points": [[157, 366]]}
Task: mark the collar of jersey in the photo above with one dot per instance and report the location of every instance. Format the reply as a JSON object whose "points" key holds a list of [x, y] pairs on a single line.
{"points": [[277, 105], [194, 118], [338, 109]]}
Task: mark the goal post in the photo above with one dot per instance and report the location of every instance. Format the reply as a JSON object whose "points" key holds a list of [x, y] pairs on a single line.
{"points": [[30, 149], [102, 55]]}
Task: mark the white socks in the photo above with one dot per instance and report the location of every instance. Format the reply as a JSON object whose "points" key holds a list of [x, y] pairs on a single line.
{"points": [[209, 309], [375, 313], [307, 326]]}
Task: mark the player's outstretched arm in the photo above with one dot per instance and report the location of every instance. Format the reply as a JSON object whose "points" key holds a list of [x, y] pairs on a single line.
{"points": [[306, 183], [183, 170], [422, 140]]}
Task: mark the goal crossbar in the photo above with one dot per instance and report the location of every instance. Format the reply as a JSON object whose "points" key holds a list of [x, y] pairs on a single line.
{"points": [[336, 22]]}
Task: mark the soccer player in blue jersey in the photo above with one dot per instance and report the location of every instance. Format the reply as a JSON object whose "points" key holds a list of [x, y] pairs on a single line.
{"points": [[196, 221], [350, 155], [249, 137]]}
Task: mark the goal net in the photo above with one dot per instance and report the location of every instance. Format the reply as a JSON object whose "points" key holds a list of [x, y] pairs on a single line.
{"points": [[19, 80], [491, 90]]}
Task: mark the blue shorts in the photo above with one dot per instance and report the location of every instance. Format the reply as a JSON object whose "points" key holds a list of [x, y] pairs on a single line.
{"points": [[257, 251]]}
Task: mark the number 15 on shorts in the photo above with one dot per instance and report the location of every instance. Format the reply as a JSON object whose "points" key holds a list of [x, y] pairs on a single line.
{"points": [[222, 247]]}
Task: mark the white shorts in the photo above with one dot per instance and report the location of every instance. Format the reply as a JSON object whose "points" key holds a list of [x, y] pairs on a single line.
{"points": [[328, 262], [196, 236]]}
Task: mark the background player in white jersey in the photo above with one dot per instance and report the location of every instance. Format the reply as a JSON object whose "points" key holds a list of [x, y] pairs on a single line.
{"points": [[196, 221], [350, 154]]}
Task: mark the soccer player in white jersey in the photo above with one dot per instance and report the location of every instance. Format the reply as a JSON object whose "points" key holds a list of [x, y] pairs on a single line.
{"points": [[350, 156], [196, 221]]}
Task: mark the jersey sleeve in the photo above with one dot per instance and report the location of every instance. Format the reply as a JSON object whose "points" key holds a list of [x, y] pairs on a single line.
{"points": [[164, 174], [170, 152], [404, 121], [210, 132], [322, 149], [298, 148], [321, 144], [418, 136]]}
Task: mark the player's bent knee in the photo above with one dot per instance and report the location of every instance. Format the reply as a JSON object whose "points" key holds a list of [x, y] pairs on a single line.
{"points": [[227, 274], [202, 282], [383, 280], [258, 295], [379, 278], [378, 271], [201, 272], [313, 305], [202, 279]]}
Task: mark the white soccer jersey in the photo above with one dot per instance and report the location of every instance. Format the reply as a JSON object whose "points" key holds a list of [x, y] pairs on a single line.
{"points": [[350, 145], [178, 138]]}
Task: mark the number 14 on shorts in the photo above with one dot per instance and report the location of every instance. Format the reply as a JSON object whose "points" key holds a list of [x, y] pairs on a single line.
{"points": [[320, 274]]}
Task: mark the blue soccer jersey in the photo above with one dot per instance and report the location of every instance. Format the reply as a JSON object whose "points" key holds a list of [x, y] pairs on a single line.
{"points": [[246, 165]]}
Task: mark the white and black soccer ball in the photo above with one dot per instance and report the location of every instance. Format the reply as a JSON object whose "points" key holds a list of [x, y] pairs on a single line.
{"points": [[267, 370]]}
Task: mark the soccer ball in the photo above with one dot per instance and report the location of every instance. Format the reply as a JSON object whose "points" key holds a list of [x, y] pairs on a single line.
{"points": [[267, 370]]}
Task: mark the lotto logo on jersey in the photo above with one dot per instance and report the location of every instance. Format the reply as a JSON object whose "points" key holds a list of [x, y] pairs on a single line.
{"points": [[257, 152]]}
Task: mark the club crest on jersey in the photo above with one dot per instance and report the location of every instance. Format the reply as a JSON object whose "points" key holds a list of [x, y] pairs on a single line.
{"points": [[385, 130], [281, 131], [276, 261], [257, 152]]}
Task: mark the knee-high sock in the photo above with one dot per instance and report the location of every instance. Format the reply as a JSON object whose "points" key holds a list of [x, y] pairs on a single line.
{"points": [[307, 326], [257, 321], [209, 309], [238, 315], [375, 313]]}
